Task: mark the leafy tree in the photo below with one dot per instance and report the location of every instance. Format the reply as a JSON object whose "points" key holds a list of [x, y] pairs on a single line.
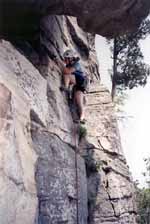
{"points": [[121, 97], [147, 173], [143, 200], [129, 69], [143, 197]]}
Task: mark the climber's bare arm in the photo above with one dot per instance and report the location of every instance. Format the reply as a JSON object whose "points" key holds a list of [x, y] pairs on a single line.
{"points": [[68, 71], [64, 69], [60, 64]]}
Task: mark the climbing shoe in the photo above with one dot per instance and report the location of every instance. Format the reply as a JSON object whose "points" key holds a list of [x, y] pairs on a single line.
{"points": [[79, 121], [76, 121], [82, 121], [64, 89]]}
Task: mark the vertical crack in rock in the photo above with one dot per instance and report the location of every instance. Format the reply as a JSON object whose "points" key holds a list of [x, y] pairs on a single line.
{"points": [[56, 182], [6, 129], [61, 31], [35, 118], [113, 207], [81, 46], [51, 97], [53, 35]]}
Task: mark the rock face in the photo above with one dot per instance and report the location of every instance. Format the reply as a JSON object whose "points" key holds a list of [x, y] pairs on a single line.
{"points": [[110, 188], [39, 182], [96, 16]]}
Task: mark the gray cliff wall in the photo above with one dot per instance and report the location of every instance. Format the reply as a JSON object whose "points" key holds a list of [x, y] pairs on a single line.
{"points": [[37, 158]]}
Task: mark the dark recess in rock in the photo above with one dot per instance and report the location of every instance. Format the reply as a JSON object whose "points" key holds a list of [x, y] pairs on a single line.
{"points": [[94, 16]]}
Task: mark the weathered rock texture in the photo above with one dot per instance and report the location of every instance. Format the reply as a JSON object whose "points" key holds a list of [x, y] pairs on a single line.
{"points": [[110, 188], [97, 16], [37, 137]]}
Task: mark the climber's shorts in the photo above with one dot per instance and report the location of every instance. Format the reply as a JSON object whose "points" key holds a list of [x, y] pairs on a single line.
{"points": [[80, 81], [79, 88]]}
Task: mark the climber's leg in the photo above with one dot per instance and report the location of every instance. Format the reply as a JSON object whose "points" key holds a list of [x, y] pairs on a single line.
{"points": [[79, 99], [68, 79]]}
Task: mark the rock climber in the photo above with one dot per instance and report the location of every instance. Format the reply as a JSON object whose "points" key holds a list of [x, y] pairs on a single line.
{"points": [[73, 75]]}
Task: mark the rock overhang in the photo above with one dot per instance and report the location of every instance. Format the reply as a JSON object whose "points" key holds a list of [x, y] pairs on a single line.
{"points": [[105, 17]]}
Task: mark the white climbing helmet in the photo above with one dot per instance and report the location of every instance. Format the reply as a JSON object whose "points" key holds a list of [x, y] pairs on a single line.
{"points": [[69, 54]]}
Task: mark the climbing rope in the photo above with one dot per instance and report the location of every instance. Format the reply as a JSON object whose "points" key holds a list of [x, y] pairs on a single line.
{"points": [[76, 173], [76, 157]]}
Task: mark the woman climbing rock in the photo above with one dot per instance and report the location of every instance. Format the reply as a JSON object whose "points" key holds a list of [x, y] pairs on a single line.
{"points": [[73, 75]]}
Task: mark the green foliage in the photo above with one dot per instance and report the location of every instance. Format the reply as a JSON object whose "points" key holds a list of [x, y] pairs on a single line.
{"points": [[98, 166], [82, 132], [92, 166], [143, 197], [143, 201], [119, 100], [147, 172], [129, 68]]}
